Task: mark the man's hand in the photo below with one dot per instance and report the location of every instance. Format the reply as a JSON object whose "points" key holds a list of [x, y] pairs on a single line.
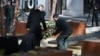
{"points": [[46, 31], [28, 29]]}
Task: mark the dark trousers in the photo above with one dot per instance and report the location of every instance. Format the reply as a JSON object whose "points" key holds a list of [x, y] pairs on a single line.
{"points": [[95, 18], [38, 35], [8, 24], [38, 38]]}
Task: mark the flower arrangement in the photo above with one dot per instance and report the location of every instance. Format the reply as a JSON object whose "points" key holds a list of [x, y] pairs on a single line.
{"points": [[50, 29]]}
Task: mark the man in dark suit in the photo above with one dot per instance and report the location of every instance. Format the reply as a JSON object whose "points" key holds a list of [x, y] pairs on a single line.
{"points": [[63, 27], [8, 9], [95, 13], [33, 24]]}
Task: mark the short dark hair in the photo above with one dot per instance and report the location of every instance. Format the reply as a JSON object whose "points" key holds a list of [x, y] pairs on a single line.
{"points": [[55, 15]]}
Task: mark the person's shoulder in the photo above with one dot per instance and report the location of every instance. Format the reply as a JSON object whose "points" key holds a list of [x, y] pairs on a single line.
{"points": [[60, 19], [44, 13], [37, 10], [5, 6], [33, 10]]}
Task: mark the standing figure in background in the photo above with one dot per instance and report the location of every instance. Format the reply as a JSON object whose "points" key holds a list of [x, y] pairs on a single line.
{"points": [[36, 17], [13, 20], [8, 9], [95, 13]]}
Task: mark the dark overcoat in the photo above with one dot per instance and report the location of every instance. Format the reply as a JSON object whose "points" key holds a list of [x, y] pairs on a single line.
{"points": [[35, 18]]}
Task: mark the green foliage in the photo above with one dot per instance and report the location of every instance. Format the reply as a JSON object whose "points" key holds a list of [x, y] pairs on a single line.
{"points": [[1, 52], [51, 29]]}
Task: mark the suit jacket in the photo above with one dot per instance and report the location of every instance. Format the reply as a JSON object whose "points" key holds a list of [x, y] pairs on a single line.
{"points": [[97, 7], [34, 19], [8, 9]]}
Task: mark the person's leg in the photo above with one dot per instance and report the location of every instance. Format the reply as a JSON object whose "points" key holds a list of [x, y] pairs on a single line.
{"points": [[96, 19], [7, 26], [33, 40], [11, 27], [93, 15], [66, 44], [66, 41], [38, 37], [60, 42]]}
